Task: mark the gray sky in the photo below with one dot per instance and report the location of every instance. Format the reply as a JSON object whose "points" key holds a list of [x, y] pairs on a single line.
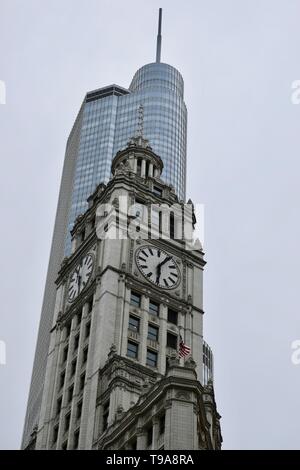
{"points": [[238, 59]]}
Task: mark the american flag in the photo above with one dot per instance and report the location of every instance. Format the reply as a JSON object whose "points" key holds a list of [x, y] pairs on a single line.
{"points": [[184, 350]]}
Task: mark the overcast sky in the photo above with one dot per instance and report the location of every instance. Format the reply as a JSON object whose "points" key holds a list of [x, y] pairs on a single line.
{"points": [[238, 59]]}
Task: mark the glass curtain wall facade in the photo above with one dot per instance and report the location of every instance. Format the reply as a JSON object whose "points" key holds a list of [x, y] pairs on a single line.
{"points": [[108, 118]]}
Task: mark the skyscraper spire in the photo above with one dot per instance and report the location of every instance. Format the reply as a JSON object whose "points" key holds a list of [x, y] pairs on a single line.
{"points": [[158, 44]]}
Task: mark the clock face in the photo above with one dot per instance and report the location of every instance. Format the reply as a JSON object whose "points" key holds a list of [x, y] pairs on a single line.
{"points": [[158, 267], [80, 276]]}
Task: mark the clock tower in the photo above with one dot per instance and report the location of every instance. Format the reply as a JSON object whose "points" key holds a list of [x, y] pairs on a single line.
{"points": [[127, 365]]}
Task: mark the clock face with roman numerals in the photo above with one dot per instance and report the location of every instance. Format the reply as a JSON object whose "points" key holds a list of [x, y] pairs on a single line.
{"points": [[158, 267], [80, 276]]}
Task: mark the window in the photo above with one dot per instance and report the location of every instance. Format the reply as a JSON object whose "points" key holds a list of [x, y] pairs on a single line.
{"points": [[149, 436], [79, 316], [82, 235], [172, 226], [62, 379], [68, 330], [65, 353], [81, 383], [151, 358], [90, 304], [76, 342], [85, 355], [105, 415], [70, 393], [171, 341], [67, 421], [76, 439], [134, 323], [157, 191], [154, 308], [135, 299], [153, 333], [139, 167], [87, 329], [58, 405], [162, 420], [132, 349], [79, 410], [172, 316], [132, 445], [64, 445], [73, 367], [55, 434]]}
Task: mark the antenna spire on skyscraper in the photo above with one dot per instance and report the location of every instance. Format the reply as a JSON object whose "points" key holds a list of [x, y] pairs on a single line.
{"points": [[158, 44]]}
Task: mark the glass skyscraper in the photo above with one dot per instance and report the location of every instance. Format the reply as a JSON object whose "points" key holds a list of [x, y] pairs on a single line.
{"points": [[107, 119]]}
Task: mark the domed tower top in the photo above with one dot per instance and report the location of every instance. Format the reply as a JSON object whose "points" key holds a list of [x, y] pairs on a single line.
{"points": [[139, 158]]}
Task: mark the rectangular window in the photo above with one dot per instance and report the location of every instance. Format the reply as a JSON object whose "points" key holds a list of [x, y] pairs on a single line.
{"points": [[135, 299], [82, 381], [73, 367], [132, 349], [149, 436], [62, 379], [134, 323], [90, 304], [82, 235], [70, 393], [151, 358], [65, 353], [171, 341], [172, 316], [79, 410], [153, 333], [162, 420], [87, 329], [132, 445], [76, 342], [76, 439], [85, 355], [153, 308], [68, 330], [172, 226], [55, 434], [79, 316], [105, 415], [67, 421], [64, 445], [58, 405]]}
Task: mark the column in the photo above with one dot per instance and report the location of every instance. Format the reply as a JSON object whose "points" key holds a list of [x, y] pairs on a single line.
{"points": [[155, 431], [163, 312], [143, 170], [150, 169], [144, 329], [141, 439]]}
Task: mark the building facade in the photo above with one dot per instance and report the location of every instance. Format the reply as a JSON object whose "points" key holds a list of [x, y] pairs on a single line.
{"points": [[114, 379], [107, 119]]}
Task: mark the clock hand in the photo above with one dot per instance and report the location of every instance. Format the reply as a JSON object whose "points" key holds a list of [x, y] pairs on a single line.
{"points": [[158, 269], [164, 261]]}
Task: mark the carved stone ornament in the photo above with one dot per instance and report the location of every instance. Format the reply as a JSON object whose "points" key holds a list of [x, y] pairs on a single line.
{"points": [[112, 351]]}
